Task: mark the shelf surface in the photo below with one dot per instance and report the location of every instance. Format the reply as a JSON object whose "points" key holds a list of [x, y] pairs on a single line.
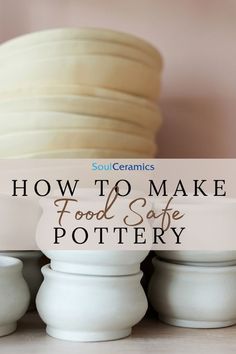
{"points": [[150, 336]]}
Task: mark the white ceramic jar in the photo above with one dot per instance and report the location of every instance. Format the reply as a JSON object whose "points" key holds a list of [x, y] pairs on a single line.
{"points": [[31, 269], [190, 296], [96, 262], [200, 258], [209, 221], [14, 294], [90, 308]]}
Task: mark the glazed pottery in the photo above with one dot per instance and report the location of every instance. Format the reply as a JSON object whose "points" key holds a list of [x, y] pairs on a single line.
{"points": [[81, 153], [78, 34], [93, 261], [28, 121], [207, 220], [43, 140], [31, 270], [190, 296], [90, 308], [143, 116], [64, 48], [199, 258], [96, 262], [77, 90], [115, 73], [14, 294]]}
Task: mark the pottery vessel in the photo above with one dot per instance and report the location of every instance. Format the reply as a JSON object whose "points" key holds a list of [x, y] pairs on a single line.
{"points": [[14, 294], [81, 34], [115, 73], [28, 121], [31, 270], [43, 140], [190, 296], [82, 153], [96, 262], [89, 261], [143, 116], [199, 258], [90, 308], [210, 223]]}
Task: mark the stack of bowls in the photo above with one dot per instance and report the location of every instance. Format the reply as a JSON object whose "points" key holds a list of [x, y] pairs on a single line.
{"points": [[73, 93], [98, 292], [197, 289]]}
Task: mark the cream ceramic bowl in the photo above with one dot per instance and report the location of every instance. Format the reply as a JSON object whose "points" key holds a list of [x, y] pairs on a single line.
{"points": [[85, 105], [110, 72], [92, 308], [82, 153], [14, 294], [27, 121], [28, 142], [63, 48], [31, 270], [77, 90], [190, 296], [81, 34]]}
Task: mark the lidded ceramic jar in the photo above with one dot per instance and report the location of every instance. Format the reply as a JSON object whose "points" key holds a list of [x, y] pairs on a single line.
{"points": [[110, 262], [190, 296], [90, 308], [14, 294]]}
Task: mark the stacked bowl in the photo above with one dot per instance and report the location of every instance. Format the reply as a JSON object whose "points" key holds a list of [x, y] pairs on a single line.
{"points": [[71, 93], [197, 288], [98, 292]]}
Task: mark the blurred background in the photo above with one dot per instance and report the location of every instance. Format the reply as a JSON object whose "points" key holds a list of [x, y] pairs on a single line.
{"points": [[197, 39]]}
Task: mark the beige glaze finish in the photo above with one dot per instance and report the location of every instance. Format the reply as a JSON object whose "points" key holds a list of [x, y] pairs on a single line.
{"points": [[197, 40]]}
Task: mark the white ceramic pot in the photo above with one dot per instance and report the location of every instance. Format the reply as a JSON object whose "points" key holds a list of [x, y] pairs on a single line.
{"points": [[200, 258], [80, 34], [190, 296], [92, 308], [14, 294], [143, 116], [207, 220], [31, 270], [101, 262], [96, 262]]}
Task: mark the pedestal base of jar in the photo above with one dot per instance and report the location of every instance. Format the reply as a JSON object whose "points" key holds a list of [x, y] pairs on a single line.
{"points": [[195, 324], [72, 268], [87, 336], [7, 329]]}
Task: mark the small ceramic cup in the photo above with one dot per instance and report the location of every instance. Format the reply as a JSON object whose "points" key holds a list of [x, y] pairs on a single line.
{"points": [[31, 270], [90, 308], [14, 294], [190, 296]]}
